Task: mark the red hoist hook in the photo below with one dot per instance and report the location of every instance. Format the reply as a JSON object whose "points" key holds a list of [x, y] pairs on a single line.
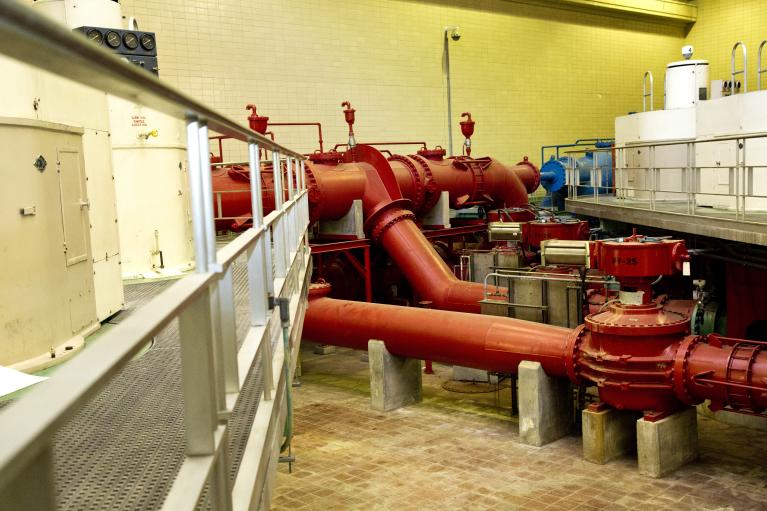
{"points": [[349, 116], [467, 128]]}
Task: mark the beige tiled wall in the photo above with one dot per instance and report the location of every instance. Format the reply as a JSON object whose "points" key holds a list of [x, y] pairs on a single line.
{"points": [[721, 23], [530, 74]]}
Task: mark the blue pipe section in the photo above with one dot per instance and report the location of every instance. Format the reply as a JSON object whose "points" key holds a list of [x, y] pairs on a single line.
{"points": [[554, 172]]}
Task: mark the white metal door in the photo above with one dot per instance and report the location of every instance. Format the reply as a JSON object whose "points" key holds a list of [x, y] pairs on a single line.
{"points": [[74, 205]]}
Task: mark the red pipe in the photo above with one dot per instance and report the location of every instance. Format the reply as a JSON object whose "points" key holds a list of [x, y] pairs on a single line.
{"points": [[469, 182], [366, 174], [484, 342], [390, 222], [656, 369], [427, 272]]}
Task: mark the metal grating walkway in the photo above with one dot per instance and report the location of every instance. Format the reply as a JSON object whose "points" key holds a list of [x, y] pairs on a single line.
{"points": [[124, 448]]}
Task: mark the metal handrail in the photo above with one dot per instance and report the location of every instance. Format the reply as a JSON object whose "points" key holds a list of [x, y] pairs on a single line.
{"points": [[528, 275], [276, 248], [741, 182], [645, 94], [39, 42], [759, 70], [741, 71]]}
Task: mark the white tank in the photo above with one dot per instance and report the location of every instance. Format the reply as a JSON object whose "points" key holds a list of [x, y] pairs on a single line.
{"points": [[47, 303], [80, 13], [149, 161], [149, 154], [686, 83], [70, 103]]}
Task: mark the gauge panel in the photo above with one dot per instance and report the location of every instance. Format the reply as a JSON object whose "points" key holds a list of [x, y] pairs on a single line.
{"points": [[139, 48]]}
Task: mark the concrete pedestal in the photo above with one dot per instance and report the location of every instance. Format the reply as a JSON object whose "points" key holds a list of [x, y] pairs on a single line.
{"points": [[607, 433], [461, 373], [324, 349], [544, 405], [394, 381], [348, 226], [665, 445]]}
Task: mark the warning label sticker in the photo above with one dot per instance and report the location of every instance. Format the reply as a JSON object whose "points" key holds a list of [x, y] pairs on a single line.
{"points": [[138, 120]]}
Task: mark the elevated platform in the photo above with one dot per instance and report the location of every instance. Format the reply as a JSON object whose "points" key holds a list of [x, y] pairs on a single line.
{"points": [[674, 216]]}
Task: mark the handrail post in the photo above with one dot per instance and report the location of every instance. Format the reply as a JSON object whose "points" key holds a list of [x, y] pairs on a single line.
{"points": [[278, 230], [290, 213], [759, 70], [207, 198], [743, 71], [198, 381], [196, 195], [257, 260], [646, 94], [228, 334]]}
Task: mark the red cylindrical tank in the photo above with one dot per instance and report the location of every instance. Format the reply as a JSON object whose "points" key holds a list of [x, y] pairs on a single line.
{"points": [[332, 189], [638, 261], [538, 231], [484, 181], [511, 215]]}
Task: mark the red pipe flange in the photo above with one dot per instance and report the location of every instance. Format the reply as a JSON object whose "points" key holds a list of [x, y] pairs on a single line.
{"points": [[418, 186], [431, 193], [740, 372], [572, 352], [681, 369]]}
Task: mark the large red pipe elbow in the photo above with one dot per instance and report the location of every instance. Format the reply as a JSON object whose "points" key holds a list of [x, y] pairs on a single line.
{"points": [[390, 222], [427, 272]]}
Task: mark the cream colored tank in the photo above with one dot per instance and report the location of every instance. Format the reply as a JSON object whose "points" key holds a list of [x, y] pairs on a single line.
{"points": [[79, 13], [149, 161], [152, 200], [62, 101], [47, 297]]}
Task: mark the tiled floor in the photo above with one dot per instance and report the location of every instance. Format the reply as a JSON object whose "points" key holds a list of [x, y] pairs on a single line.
{"points": [[456, 451]]}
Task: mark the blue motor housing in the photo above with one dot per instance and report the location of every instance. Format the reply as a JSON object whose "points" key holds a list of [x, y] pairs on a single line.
{"points": [[603, 161], [553, 180], [553, 174]]}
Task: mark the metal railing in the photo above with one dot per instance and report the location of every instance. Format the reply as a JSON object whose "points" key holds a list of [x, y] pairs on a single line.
{"points": [[723, 177], [504, 293], [213, 369], [742, 71], [645, 93], [759, 70]]}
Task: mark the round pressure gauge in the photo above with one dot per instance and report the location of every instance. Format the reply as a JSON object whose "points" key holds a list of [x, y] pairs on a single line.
{"points": [[113, 39], [131, 40], [147, 42], [95, 36]]}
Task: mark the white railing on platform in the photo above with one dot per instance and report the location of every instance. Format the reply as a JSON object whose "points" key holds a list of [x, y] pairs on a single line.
{"points": [[723, 177], [213, 369]]}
